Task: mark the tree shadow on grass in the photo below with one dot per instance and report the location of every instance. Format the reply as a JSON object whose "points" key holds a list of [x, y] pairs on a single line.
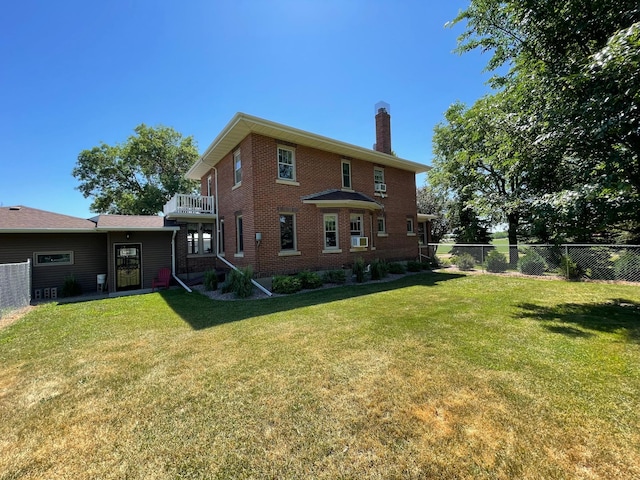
{"points": [[583, 320], [201, 312]]}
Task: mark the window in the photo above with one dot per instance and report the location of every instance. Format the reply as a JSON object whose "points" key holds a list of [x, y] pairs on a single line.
{"points": [[209, 183], [356, 225], [239, 235], [199, 238], [286, 164], [237, 168], [46, 259], [382, 225], [378, 175], [221, 240], [331, 231], [346, 174], [410, 230], [287, 231]]}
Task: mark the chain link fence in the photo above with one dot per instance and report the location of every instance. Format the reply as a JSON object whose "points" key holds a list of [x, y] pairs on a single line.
{"points": [[15, 286], [595, 262]]}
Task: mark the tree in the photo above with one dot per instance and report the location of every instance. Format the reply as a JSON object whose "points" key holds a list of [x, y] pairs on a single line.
{"points": [[139, 176], [575, 63], [434, 201]]}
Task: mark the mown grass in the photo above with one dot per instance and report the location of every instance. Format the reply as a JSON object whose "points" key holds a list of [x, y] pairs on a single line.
{"points": [[432, 376]]}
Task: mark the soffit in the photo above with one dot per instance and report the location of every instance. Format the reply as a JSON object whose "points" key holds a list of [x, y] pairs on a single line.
{"points": [[242, 124]]}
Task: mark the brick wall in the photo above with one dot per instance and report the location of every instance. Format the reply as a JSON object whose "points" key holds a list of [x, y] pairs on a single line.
{"points": [[261, 199]]}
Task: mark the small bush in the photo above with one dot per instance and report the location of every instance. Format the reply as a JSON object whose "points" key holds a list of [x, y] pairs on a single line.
{"points": [[210, 280], [379, 269], [414, 266], [334, 276], [627, 266], [286, 284], [569, 269], [427, 265], [496, 262], [397, 268], [532, 263], [309, 279], [239, 282], [70, 287], [359, 270], [465, 261]]}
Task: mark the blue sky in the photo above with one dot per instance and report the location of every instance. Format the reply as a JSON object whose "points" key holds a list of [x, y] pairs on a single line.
{"points": [[77, 73]]}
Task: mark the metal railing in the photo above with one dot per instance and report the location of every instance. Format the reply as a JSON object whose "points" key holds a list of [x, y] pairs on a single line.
{"points": [[15, 286], [573, 261], [190, 205]]}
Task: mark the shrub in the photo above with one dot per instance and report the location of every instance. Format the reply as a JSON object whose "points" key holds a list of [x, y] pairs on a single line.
{"points": [[286, 284], [359, 270], [496, 262], [334, 276], [309, 279], [379, 269], [532, 263], [429, 264], [465, 261], [477, 252], [70, 287], [210, 280], [397, 268], [414, 266], [239, 282], [569, 269], [627, 266]]}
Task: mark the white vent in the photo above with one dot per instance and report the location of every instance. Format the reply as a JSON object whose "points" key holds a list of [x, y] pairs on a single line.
{"points": [[357, 242], [381, 187]]}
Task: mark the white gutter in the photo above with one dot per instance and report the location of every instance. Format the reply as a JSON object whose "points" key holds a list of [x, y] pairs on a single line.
{"points": [[173, 262], [264, 290]]}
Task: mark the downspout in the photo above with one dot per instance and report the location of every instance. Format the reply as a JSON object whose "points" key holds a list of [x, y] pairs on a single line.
{"points": [[173, 263], [224, 260]]}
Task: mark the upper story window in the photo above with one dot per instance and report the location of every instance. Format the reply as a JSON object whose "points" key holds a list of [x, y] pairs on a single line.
{"points": [[237, 168], [286, 163], [209, 184], [378, 175], [346, 174]]}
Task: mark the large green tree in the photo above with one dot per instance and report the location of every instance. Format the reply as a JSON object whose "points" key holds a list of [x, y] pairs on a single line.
{"points": [[435, 201], [139, 176], [575, 66]]}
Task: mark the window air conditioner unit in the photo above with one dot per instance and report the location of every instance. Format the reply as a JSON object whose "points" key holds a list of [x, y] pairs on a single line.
{"points": [[359, 242], [381, 187]]}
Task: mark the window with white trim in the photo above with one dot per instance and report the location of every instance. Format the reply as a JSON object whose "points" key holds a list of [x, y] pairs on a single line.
{"points": [[346, 174], [356, 225], [410, 228], [50, 259], [382, 225], [286, 163], [378, 175], [330, 231], [237, 168], [199, 238], [287, 231]]}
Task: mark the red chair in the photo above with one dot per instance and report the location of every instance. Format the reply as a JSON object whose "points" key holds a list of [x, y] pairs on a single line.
{"points": [[164, 277]]}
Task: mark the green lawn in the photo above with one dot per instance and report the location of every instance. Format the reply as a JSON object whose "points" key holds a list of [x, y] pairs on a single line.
{"points": [[436, 375]]}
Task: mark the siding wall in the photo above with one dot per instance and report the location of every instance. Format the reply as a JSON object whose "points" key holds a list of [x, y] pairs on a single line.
{"points": [[89, 251], [156, 254], [260, 200]]}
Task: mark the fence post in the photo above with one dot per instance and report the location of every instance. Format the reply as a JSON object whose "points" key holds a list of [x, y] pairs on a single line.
{"points": [[566, 256]]}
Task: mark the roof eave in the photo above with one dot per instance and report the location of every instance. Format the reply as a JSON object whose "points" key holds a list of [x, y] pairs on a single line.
{"points": [[345, 204], [242, 124]]}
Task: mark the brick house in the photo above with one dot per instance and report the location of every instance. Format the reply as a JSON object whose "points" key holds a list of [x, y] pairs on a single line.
{"points": [[285, 200]]}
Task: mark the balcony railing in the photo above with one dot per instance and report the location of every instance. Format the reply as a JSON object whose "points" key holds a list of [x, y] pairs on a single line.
{"points": [[182, 204]]}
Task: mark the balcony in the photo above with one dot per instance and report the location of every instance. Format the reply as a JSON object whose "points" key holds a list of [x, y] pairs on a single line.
{"points": [[190, 206]]}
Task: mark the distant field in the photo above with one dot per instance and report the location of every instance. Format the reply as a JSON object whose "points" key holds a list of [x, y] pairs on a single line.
{"points": [[501, 245]]}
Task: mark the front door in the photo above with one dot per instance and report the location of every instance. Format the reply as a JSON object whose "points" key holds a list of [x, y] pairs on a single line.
{"points": [[128, 267]]}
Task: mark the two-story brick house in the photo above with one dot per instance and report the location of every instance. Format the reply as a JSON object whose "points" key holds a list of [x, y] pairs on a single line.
{"points": [[285, 200]]}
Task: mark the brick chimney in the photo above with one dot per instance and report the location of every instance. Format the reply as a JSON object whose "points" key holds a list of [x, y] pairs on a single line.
{"points": [[383, 128]]}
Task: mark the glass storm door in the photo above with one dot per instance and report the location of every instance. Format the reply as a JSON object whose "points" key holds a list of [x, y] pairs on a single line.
{"points": [[128, 267]]}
